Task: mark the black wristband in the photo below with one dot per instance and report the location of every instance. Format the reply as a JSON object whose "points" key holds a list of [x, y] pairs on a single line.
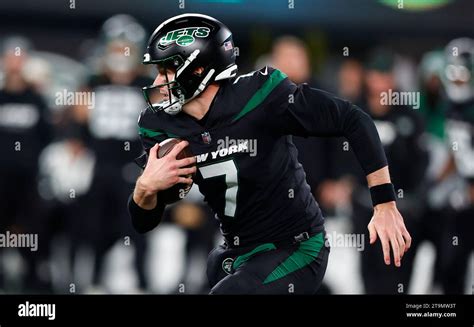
{"points": [[382, 193]]}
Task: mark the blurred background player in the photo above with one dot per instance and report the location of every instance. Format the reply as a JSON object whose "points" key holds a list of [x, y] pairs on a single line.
{"points": [[66, 168], [112, 127], [459, 85], [24, 131]]}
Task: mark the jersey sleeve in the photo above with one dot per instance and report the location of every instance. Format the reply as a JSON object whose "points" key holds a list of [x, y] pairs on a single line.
{"points": [[304, 111]]}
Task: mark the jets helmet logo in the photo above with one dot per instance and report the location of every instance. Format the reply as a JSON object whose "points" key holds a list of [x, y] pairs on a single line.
{"points": [[184, 36]]}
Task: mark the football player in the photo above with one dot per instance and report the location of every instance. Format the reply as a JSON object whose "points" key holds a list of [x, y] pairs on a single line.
{"points": [[24, 132], [245, 164], [459, 85], [114, 140]]}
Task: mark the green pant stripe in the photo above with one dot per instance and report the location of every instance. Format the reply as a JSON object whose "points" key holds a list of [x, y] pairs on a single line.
{"points": [[306, 253], [261, 248]]}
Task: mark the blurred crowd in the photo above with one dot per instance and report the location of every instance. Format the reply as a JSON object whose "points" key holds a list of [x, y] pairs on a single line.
{"points": [[68, 138]]}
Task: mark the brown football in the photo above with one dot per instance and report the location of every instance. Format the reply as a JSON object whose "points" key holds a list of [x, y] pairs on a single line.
{"points": [[178, 191]]}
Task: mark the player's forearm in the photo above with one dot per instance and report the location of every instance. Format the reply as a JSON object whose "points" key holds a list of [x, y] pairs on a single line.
{"points": [[379, 177], [143, 196], [364, 139]]}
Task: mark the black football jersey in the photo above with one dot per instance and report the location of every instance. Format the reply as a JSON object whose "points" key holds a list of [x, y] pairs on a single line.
{"points": [[247, 163]]}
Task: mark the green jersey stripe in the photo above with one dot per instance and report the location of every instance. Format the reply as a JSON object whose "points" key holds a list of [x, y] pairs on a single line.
{"points": [[151, 133], [275, 78]]}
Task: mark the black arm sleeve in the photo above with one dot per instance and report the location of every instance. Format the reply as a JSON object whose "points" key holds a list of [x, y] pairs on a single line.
{"points": [[144, 220], [311, 112]]}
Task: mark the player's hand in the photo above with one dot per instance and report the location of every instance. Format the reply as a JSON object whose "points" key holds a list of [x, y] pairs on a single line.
{"points": [[162, 173], [387, 223]]}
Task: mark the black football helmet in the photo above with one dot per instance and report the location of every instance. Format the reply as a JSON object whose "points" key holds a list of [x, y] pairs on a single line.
{"points": [[183, 44]]}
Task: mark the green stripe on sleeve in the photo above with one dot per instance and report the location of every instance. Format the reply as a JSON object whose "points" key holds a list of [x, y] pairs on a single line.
{"points": [[275, 78], [151, 133]]}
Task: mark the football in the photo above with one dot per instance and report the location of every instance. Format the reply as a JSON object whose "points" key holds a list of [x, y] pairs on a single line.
{"points": [[178, 191]]}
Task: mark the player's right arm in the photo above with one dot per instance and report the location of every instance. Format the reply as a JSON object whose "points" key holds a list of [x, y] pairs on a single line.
{"points": [[159, 174]]}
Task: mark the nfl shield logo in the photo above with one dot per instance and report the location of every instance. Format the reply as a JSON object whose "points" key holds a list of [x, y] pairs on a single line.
{"points": [[206, 137]]}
